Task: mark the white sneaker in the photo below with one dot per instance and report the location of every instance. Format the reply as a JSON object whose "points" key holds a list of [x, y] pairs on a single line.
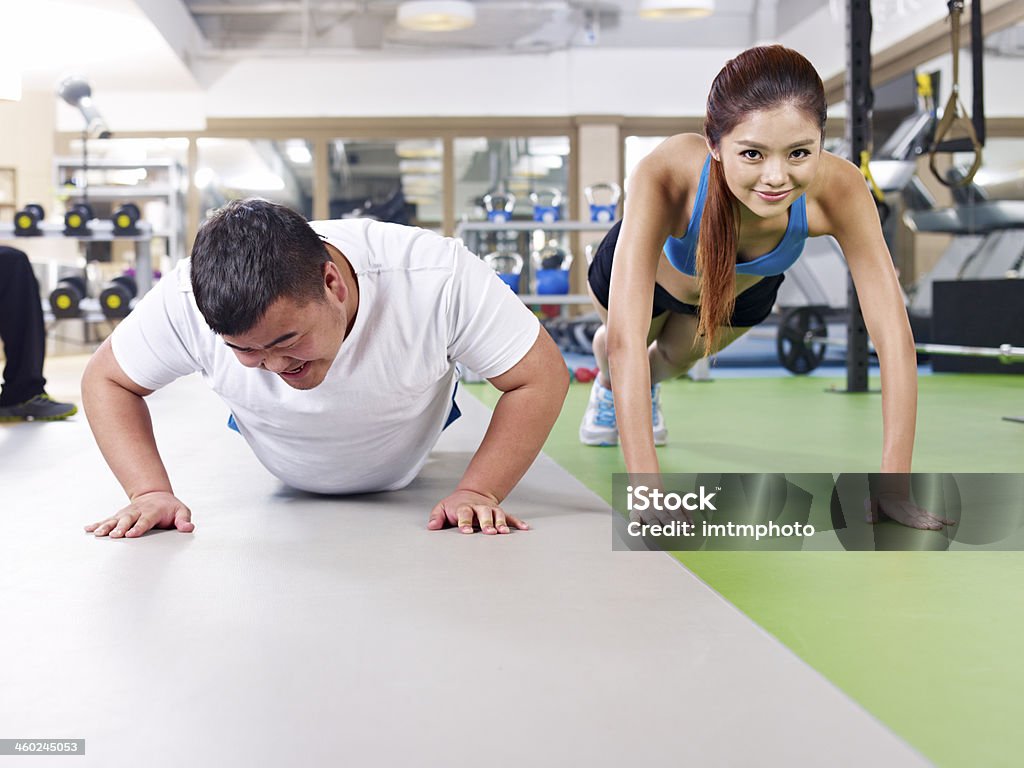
{"points": [[657, 417], [598, 427]]}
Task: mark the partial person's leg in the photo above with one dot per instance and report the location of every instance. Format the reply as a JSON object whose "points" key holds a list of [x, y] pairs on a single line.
{"points": [[599, 425], [23, 396], [675, 350], [21, 328], [601, 339], [672, 354]]}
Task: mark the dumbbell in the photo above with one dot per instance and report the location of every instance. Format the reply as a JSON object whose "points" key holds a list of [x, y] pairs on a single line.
{"points": [[117, 295], [603, 212], [125, 218], [26, 221], [76, 220], [584, 375], [551, 265], [67, 296], [547, 204], [508, 265]]}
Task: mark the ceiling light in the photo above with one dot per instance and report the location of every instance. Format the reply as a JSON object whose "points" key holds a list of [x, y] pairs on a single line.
{"points": [[204, 177], [254, 181], [676, 9], [436, 15], [419, 148], [420, 166], [298, 151]]}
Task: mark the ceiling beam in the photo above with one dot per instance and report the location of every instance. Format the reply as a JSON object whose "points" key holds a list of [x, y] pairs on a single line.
{"points": [[173, 21], [259, 9]]}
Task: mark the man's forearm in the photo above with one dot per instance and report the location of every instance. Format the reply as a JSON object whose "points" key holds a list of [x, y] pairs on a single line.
{"points": [[520, 424], [121, 424]]}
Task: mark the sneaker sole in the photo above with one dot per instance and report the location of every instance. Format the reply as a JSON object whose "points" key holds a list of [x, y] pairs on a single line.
{"points": [[598, 442], [13, 419], [659, 441]]}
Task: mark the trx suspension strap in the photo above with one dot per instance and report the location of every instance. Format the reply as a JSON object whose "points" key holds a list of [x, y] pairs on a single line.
{"points": [[954, 115]]}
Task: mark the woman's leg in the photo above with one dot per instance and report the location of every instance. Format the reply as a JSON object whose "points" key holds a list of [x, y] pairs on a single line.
{"points": [[601, 339], [675, 349]]}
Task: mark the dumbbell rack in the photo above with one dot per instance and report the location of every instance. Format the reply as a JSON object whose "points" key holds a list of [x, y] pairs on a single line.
{"points": [[165, 181], [100, 230], [531, 226]]}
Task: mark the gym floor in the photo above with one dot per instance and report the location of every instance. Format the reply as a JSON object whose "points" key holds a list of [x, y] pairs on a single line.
{"points": [[291, 628]]}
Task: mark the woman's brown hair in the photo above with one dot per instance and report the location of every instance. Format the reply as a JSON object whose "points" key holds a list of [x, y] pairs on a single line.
{"points": [[757, 80]]}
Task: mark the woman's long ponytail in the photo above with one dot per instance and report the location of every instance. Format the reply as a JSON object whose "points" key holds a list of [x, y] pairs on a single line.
{"points": [[716, 258]]}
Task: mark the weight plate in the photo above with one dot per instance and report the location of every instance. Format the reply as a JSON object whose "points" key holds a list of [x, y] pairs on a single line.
{"points": [[801, 340]]}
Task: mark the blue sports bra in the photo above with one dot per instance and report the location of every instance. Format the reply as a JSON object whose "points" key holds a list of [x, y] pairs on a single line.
{"points": [[682, 252]]}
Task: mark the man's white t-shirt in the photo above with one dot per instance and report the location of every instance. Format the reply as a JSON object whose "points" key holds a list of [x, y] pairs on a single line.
{"points": [[425, 302]]}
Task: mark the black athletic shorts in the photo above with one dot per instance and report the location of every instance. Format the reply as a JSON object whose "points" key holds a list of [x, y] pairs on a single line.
{"points": [[752, 306]]}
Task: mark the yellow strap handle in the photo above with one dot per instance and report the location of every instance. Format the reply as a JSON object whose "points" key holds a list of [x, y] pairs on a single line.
{"points": [[954, 113], [924, 85], [865, 168]]}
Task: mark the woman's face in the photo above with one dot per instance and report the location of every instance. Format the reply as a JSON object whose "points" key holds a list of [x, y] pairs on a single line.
{"points": [[770, 159]]}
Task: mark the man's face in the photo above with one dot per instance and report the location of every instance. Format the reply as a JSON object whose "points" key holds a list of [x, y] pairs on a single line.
{"points": [[295, 341]]}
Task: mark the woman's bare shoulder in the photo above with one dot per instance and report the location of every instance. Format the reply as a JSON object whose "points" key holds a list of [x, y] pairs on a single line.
{"points": [[676, 162], [838, 193], [835, 179]]}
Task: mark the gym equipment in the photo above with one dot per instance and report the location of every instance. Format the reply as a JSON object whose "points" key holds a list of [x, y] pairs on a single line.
{"points": [[551, 266], [66, 298], [954, 115], [125, 218], [508, 264], [76, 220], [603, 212], [860, 99], [499, 206], [573, 335], [978, 313], [26, 221], [802, 341], [988, 241], [547, 204], [584, 375], [799, 341], [116, 297]]}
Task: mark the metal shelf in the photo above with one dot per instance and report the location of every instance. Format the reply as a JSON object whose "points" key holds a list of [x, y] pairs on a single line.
{"points": [[103, 164], [549, 227], [119, 193], [100, 231], [556, 298], [167, 186], [529, 226]]}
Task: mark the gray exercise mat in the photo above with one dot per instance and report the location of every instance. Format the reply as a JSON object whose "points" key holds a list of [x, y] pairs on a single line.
{"points": [[291, 629]]}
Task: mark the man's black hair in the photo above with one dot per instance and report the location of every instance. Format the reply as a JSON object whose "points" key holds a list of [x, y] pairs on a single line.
{"points": [[249, 254]]}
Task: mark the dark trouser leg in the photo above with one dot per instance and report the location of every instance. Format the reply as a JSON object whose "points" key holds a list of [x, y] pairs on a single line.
{"points": [[21, 329]]}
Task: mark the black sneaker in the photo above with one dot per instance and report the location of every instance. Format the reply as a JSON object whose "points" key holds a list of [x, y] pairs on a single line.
{"points": [[39, 408]]}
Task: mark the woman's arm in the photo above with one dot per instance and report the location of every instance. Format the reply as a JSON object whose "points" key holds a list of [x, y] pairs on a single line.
{"points": [[654, 197], [851, 217]]}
